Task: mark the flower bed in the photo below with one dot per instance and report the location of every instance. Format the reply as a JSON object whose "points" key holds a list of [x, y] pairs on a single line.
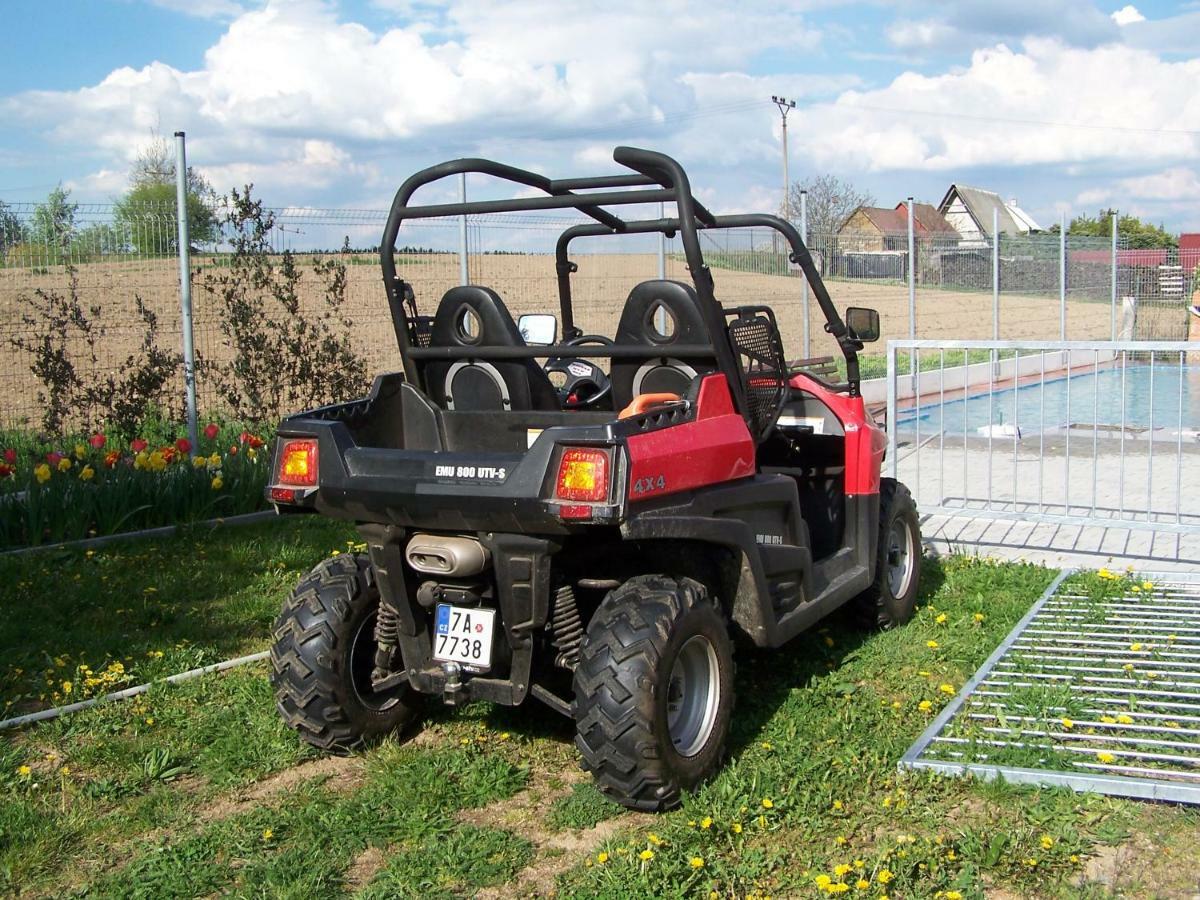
{"points": [[100, 486]]}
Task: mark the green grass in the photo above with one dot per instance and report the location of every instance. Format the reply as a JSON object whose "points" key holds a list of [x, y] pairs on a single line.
{"points": [[194, 790]]}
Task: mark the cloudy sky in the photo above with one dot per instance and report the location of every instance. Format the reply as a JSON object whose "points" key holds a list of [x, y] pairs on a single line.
{"points": [[1062, 104]]}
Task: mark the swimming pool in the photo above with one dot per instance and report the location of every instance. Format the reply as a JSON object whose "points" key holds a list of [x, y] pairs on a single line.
{"points": [[1094, 396]]}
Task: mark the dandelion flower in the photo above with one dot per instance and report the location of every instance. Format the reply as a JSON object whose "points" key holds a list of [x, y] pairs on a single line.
{"points": [[979, 617], [1124, 719], [946, 688], [24, 771], [1105, 757], [767, 804], [1171, 724], [64, 770], [941, 619], [841, 869], [1068, 724], [654, 839], [1108, 720], [823, 881], [952, 895], [1147, 585], [766, 745], [1047, 842], [602, 858], [932, 645], [736, 827], [924, 706], [67, 687], [696, 862], [646, 855], [838, 806], [706, 822], [267, 834], [884, 876], [862, 884], [840, 841]]}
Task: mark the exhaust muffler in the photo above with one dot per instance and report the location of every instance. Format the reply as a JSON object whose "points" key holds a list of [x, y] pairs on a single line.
{"points": [[451, 556]]}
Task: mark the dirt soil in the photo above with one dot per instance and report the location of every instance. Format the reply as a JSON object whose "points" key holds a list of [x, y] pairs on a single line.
{"points": [[525, 281]]}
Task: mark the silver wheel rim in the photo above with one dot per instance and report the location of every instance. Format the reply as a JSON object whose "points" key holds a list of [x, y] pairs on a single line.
{"points": [[693, 695], [899, 558]]}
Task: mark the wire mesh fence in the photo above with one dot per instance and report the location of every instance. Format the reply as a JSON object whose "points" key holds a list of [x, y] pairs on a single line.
{"points": [[115, 264]]}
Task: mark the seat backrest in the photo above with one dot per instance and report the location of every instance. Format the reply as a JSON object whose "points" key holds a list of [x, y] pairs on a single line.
{"points": [[658, 316], [471, 316]]}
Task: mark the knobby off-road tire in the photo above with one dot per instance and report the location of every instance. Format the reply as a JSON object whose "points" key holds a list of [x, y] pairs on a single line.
{"points": [[322, 658], [892, 598], [654, 691]]}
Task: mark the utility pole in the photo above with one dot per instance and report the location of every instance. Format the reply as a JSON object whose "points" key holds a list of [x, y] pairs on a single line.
{"points": [[785, 106]]}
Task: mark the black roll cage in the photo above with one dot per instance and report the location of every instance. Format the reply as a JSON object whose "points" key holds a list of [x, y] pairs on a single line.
{"points": [[660, 179]]}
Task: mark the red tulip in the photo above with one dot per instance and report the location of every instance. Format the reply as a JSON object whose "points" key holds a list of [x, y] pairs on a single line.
{"points": [[53, 457], [5, 470], [111, 457], [210, 431], [233, 450], [10, 456], [98, 441], [244, 436], [168, 453], [255, 442], [137, 445], [183, 445]]}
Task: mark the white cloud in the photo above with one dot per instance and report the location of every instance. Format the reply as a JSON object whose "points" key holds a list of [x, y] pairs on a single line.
{"points": [[1127, 15], [1177, 185], [920, 35], [988, 112]]}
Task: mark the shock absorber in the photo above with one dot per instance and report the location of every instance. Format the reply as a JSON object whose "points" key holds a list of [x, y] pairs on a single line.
{"points": [[567, 628], [387, 637]]}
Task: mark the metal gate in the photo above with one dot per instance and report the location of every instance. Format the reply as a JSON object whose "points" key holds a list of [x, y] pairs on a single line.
{"points": [[1083, 433]]}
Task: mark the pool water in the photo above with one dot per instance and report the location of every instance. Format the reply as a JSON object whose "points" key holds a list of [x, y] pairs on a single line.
{"points": [[1094, 397]]}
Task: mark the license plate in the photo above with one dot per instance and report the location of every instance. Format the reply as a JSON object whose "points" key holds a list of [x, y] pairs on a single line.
{"points": [[463, 634]]}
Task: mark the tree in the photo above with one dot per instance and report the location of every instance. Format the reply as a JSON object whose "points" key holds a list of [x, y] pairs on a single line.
{"points": [[1139, 235], [53, 223], [831, 200], [11, 230], [142, 214]]}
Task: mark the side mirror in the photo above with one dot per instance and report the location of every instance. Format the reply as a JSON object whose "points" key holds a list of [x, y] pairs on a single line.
{"points": [[538, 329], [863, 323]]}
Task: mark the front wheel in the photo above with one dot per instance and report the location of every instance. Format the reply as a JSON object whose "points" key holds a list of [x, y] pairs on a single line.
{"points": [[892, 597], [323, 655], [654, 691]]}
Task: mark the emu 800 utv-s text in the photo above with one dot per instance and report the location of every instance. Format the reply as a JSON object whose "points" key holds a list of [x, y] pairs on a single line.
{"points": [[583, 537]]}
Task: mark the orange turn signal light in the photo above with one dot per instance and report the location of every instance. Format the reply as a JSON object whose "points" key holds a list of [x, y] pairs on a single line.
{"points": [[298, 463], [582, 475]]}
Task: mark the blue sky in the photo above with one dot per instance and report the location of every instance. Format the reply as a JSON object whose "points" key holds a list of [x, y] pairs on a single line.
{"points": [[1066, 106]]}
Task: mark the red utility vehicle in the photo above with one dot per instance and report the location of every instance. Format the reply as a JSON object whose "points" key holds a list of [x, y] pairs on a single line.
{"points": [[590, 537]]}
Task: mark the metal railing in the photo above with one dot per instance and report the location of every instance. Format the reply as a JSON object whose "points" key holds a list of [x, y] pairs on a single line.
{"points": [[1102, 433]]}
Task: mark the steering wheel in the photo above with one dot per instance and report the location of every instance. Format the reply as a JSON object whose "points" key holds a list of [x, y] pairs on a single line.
{"points": [[585, 385]]}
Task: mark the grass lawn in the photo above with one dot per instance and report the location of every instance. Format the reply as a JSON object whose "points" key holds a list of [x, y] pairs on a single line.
{"points": [[199, 790]]}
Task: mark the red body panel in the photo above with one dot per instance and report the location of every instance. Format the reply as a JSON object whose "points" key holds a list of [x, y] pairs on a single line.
{"points": [[865, 441], [713, 448]]}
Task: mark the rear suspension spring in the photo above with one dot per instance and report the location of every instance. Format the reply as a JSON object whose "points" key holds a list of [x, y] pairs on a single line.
{"points": [[567, 628]]}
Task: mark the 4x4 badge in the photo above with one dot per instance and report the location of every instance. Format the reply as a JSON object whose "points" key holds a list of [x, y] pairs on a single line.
{"points": [[648, 484]]}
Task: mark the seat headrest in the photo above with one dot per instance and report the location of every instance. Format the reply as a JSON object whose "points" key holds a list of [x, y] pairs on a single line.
{"points": [[660, 313], [470, 315]]}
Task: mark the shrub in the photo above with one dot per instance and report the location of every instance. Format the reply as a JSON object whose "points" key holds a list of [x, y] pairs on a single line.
{"points": [[283, 357]]}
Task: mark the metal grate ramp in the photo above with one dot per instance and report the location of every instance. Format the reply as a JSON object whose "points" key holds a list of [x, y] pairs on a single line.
{"points": [[1097, 688]]}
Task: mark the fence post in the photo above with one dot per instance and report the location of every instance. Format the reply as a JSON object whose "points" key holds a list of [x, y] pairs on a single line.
{"points": [[464, 276], [1113, 309], [662, 246], [1062, 279], [803, 278], [995, 273], [185, 287], [912, 288]]}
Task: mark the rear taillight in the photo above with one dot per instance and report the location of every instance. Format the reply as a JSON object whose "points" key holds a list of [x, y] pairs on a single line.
{"points": [[298, 463], [582, 475]]}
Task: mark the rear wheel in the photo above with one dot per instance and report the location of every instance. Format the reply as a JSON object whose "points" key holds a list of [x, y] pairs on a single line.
{"points": [[892, 597], [654, 691], [323, 655]]}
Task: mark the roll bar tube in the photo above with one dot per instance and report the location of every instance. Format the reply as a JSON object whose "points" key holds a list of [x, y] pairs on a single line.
{"points": [[800, 255]]}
